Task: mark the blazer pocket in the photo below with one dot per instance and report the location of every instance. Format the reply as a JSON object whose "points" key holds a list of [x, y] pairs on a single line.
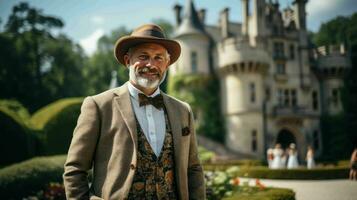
{"points": [[186, 131]]}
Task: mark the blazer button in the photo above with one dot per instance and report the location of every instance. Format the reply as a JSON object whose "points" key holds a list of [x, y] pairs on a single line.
{"points": [[132, 166]]}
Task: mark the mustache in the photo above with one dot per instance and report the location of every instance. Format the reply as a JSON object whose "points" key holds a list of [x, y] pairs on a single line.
{"points": [[153, 70]]}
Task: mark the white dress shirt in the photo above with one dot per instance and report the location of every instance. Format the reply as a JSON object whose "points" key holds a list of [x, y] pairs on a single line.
{"points": [[151, 119]]}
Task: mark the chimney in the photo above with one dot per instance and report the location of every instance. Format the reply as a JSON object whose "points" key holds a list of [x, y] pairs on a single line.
{"points": [[224, 22], [245, 11], [178, 9], [202, 15], [300, 13]]}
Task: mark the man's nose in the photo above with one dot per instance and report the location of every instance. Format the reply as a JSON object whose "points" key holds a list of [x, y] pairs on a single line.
{"points": [[150, 62]]}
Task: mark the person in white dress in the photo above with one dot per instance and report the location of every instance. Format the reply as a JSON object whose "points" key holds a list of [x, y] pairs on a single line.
{"points": [[310, 157], [277, 153], [293, 157], [270, 157]]}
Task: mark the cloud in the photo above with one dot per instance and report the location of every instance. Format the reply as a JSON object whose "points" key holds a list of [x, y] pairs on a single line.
{"points": [[89, 43], [318, 7], [321, 11], [97, 19]]}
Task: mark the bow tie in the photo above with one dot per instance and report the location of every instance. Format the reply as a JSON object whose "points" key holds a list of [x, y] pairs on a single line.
{"points": [[156, 101]]}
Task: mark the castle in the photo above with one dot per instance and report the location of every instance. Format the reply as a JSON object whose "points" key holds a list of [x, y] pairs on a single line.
{"points": [[275, 85]]}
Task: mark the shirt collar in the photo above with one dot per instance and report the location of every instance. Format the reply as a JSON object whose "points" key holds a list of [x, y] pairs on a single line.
{"points": [[134, 92]]}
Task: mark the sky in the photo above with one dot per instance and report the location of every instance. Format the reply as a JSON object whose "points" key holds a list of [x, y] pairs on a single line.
{"points": [[87, 20]]}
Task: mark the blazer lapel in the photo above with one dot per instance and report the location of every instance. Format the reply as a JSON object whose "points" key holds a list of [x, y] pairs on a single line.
{"points": [[174, 115], [124, 103]]}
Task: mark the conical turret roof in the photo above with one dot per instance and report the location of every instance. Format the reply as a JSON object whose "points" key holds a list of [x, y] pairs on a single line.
{"points": [[191, 23]]}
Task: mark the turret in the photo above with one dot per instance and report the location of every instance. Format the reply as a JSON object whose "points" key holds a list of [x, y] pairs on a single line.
{"points": [[332, 64], [300, 13], [194, 41], [245, 23], [177, 9], [257, 26], [223, 22]]}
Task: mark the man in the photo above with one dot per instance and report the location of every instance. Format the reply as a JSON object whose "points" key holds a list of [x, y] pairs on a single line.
{"points": [[140, 142]]}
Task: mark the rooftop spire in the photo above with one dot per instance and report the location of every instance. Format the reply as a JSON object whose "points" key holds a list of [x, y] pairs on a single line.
{"points": [[191, 23]]}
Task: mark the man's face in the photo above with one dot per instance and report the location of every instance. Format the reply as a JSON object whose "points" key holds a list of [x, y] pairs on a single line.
{"points": [[148, 63]]}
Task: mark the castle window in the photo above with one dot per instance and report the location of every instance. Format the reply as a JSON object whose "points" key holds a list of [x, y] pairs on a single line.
{"points": [[286, 97], [315, 102], [334, 96], [293, 97], [292, 52], [267, 94], [280, 97], [278, 51], [316, 140], [194, 61], [252, 92], [254, 141], [280, 68]]}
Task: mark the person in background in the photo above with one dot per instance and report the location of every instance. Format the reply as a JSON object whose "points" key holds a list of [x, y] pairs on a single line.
{"points": [[293, 157], [270, 157], [353, 165], [277, 153], [310, 157]]}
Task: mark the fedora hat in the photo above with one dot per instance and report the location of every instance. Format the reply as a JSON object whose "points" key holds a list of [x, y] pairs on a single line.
{"points": [[148, 33]]}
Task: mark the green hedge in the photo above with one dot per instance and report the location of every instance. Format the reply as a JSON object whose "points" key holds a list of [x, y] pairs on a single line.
{"points": [[17, 140], [229, 163], [266, 194], [57, 122], [339, 172], [25, 178]]}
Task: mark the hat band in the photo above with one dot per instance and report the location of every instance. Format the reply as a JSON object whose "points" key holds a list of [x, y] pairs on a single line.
{"points": [[153, 33]]}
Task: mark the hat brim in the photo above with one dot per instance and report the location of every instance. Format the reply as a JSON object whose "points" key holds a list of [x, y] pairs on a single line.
{"points": [[124, 43]]}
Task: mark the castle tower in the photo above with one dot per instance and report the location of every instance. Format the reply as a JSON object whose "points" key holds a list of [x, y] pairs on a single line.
{"points": [[332, 65], [241, 67], [194, 41], [241, 70]]}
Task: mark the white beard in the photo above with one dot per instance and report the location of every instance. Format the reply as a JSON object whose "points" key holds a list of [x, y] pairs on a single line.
{"points": [[142, 81]]}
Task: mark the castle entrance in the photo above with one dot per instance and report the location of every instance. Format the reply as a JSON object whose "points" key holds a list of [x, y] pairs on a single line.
{"points": [[285, 138]]}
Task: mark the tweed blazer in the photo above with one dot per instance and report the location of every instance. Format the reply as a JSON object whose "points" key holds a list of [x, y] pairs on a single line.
{"points": [[105, 140]]}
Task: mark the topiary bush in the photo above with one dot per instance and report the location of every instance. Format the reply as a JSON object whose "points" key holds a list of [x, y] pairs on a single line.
{"points": [[17, 140], [57, 122], [26, 178]]}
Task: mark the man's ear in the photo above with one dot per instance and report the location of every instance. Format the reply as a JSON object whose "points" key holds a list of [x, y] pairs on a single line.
{"points": [[126, 60]]}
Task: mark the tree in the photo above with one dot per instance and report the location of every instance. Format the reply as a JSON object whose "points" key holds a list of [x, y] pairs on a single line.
{"points": [[38, 67], [103, 63]]}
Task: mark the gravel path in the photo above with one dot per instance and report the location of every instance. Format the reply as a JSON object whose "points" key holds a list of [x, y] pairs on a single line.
{"points": [[343, 189]]}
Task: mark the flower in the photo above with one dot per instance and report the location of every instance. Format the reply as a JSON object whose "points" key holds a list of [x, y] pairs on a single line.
{"points": [[259, 184], [235, 181]]}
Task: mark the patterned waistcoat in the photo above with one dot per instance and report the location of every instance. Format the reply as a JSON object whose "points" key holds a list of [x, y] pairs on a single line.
{"points": [[154, 176]]}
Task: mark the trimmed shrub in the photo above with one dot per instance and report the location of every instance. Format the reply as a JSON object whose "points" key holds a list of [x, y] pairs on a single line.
{"points": [[17, 141], [57, 121], [266, 194], [300, 174], [230, 163], [16, 109], [28, 177]]}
